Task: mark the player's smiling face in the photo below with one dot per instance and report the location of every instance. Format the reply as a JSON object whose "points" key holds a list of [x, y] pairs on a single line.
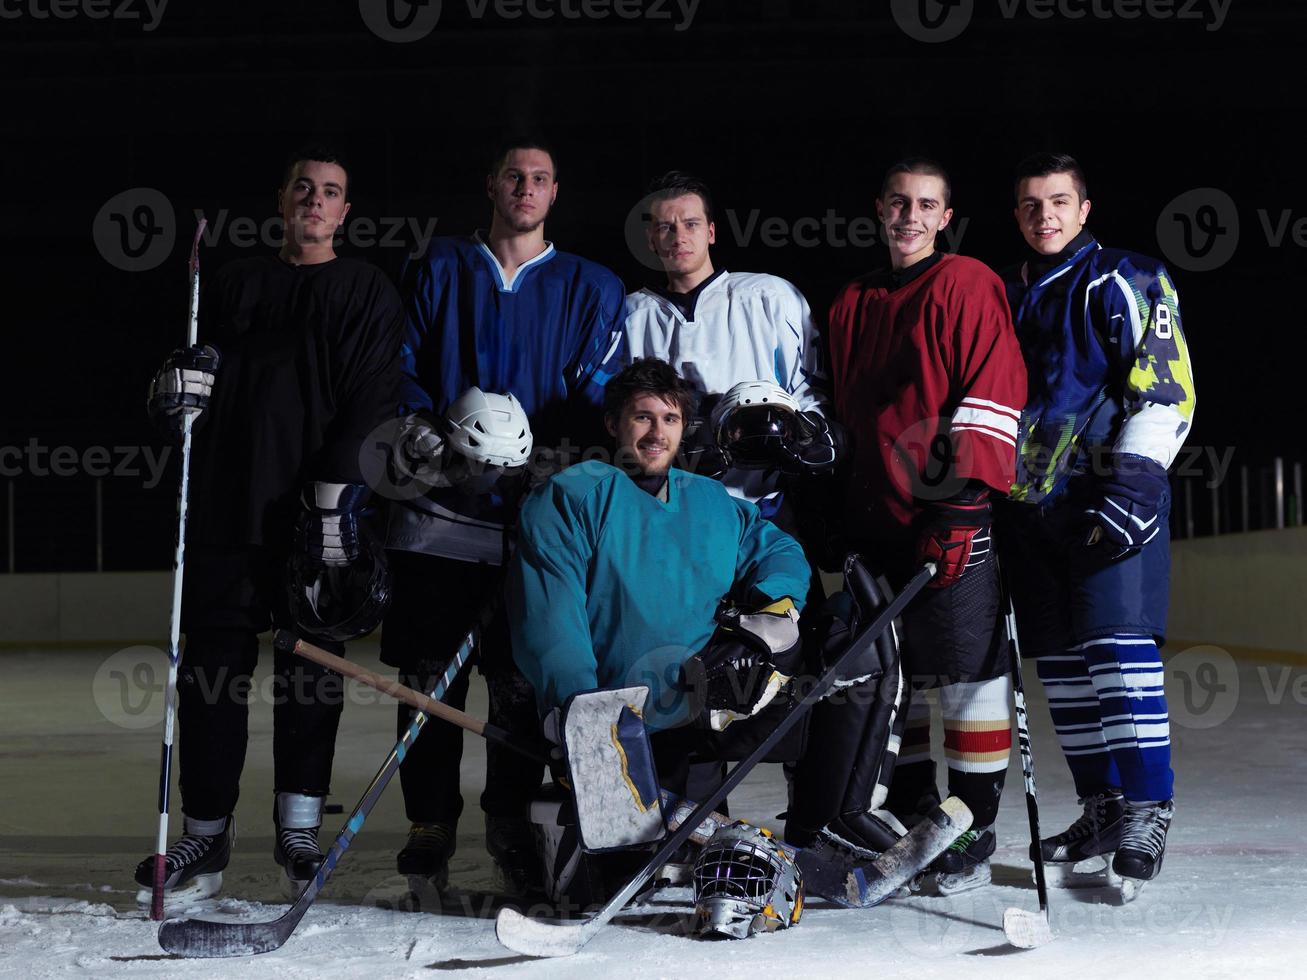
{"points": [[1050, 212], [680, 233], [312, 204], [524, 189], [648, 433], [913, 212]]}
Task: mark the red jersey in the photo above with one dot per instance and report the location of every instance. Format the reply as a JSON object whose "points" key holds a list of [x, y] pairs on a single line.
{"points": [[930, 381]]}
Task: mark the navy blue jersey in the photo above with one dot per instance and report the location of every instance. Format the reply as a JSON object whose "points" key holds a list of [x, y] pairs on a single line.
{"points": [[552, 336], [1107, 362]]}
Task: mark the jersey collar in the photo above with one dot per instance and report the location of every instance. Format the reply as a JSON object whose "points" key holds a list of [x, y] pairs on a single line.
{"points": [[505, 284]]}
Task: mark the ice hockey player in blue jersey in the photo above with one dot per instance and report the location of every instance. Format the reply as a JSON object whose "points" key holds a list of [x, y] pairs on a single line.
{"points": [[1085, 542], [505, 311]]}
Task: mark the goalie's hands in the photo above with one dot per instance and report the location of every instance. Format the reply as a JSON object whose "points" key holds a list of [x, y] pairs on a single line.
{"points": [[181, 388]]}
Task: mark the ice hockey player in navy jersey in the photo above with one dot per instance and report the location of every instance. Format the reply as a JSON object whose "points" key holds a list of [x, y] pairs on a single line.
{"points": [[1087, 546]]}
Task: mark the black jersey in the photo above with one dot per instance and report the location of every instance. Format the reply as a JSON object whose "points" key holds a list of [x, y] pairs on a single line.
{"points": [[310, 368]]}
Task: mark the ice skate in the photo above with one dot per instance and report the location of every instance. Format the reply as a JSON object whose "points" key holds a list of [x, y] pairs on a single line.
{"points": [[295, 845], [511, 845], [965, 865], [194, 865], [425, 856], [1081, 856], [1143, 845]]}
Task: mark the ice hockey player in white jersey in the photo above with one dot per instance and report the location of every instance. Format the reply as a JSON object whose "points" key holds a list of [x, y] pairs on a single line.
{"points": [[720, 328]]}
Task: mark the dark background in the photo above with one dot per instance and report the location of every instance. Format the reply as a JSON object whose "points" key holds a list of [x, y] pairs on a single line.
{"points": [[789, 107]]}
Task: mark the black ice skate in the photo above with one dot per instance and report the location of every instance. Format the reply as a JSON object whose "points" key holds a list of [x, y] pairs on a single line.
{"points": [[1081, 856], [295, 845], [425, 856], [1143, 845], [194, 866], [511, 844], [965, 865]]}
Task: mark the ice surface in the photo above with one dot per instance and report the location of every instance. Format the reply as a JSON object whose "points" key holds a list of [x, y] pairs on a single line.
{"points": [[78, 766]]}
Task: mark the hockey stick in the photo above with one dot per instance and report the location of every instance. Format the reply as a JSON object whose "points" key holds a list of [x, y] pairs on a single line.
{"points": [[1023, 928], [175, 617], [535, 937], [201, 938]]}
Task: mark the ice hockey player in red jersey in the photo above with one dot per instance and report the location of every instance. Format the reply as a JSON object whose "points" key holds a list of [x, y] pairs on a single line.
{"points": [[929, 379]]}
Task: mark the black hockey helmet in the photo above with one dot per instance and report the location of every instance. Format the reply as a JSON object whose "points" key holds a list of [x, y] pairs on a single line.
{"points": [[754, 422], [340, 602]]}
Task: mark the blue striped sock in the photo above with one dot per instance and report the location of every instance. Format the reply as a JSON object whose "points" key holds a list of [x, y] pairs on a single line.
{"points": [[1127, 675], [1078, 719]]}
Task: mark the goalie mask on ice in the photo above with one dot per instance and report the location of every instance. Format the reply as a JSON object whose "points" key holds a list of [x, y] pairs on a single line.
{"points": [[745, 882]]}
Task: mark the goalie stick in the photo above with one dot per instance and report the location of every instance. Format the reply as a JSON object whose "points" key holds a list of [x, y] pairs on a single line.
{"points": [[1023, 928], [175, 614], [535, 937], [203, 938]]}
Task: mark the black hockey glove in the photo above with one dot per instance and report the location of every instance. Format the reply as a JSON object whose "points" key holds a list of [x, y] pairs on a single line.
{"points": [[327, 529], [182, 387], [818, 448], [699, 452], [745, 664], [1125, 517]]}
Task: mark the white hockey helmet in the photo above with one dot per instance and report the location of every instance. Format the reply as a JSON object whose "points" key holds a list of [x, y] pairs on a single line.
{"points": [[488, 428], [753, 421], [745, 882]]}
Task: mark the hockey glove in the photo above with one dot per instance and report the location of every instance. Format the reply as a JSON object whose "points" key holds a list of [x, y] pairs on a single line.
{"points": [[817, 449], [700, 453], [1125, 517], [327, 530], [955, 535], [417, 454], [747, 662], [182, 387]]}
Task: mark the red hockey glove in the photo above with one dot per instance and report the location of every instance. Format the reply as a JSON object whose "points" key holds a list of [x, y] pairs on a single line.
{"points": [[955, 535]]}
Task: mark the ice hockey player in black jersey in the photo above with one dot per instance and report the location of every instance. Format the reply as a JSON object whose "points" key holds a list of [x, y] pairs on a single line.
{"points": [[299, 364]]}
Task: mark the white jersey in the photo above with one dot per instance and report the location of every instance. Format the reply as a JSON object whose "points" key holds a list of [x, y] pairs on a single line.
{"points": [[746, 326]]}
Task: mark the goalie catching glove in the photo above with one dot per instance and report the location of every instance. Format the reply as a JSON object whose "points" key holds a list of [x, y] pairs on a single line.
{"points": [[182, 388], [746, 663]]}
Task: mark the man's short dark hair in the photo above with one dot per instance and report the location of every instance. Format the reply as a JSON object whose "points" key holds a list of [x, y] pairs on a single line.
{"points": [[321, 153], [521, 142], [1047, 164], [922, 166], [649, 376], [677, 183]]}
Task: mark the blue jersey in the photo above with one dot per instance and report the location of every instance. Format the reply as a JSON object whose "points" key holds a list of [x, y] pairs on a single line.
{"points": [[612, 586], [551, 335], [1107, 362]]}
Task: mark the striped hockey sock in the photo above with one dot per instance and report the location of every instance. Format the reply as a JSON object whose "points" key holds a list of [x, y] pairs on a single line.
{"points": [[1128, 678], [978, 742], [1078, 720]]}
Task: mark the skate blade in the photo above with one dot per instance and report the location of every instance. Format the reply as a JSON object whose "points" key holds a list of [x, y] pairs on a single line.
{"points": [[964, 881], [1094, 872], [292, 888], [179, 899], [1130, 889]]}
